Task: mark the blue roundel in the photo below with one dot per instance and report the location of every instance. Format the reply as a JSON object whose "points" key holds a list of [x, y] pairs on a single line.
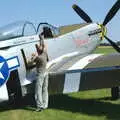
{"points": [[4, 71]]}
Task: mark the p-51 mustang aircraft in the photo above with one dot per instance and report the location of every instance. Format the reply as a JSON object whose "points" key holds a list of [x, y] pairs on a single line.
{"points": [[71, 65]]}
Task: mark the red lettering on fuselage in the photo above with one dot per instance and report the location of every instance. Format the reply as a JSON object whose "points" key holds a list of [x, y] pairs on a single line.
{"points": [[79, 42]]}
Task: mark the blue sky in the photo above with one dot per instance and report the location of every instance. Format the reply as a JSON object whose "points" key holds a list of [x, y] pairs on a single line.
{"points": [[58, 12]]}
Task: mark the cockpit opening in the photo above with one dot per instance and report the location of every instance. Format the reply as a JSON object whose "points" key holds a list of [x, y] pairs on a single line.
{"points": [[47, 31]]}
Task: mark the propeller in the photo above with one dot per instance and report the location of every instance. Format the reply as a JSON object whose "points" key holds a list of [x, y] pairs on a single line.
{"points": [[114, 45], [82, 14], [112, 12], [107, 19]]}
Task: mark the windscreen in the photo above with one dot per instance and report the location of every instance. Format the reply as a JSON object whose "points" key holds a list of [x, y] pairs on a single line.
{"points": [[17, 29]]}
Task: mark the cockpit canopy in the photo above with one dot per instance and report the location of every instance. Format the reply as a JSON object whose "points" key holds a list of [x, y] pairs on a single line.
{"points": [[17, 29], [25, 28]]}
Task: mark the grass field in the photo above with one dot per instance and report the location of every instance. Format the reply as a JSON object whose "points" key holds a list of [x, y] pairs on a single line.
{"points": [[88, 105], [105, 50]]}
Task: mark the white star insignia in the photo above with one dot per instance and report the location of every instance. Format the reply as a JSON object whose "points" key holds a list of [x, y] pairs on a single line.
{"points": [[1, 75]]}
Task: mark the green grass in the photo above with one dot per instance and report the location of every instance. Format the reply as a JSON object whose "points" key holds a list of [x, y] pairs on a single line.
{"points": [[87, 105], [105, 50]]}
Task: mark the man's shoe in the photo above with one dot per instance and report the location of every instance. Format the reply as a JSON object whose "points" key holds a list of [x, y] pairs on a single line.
{"points": [[39, 109]]}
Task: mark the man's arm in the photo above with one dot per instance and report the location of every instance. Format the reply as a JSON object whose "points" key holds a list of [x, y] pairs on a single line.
{"points": [[31, 62]]}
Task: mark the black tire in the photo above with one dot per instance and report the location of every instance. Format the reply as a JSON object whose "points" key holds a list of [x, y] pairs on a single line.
{"points": [[14, 88], [115, 93]]}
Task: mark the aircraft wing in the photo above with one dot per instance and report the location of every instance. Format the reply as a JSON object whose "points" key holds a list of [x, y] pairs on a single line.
{"points": [[88, 72]]}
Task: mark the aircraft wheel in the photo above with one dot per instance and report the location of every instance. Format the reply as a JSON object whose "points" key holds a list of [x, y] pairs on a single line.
{"points": [[115, 93]]}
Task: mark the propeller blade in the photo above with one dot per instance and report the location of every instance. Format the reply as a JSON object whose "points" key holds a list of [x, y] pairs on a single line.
{"points": [[114, 45], [82, 14], [112, 12]]}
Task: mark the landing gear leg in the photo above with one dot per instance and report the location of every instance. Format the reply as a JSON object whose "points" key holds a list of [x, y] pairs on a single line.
{"points": [[14, 88], [115, 93]]}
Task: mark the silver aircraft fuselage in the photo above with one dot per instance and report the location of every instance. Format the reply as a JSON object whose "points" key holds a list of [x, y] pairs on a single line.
{"points": [[74, 43]]}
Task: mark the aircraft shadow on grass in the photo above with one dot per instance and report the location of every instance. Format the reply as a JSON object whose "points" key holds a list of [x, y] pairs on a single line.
{"points": [[91, 107]]}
